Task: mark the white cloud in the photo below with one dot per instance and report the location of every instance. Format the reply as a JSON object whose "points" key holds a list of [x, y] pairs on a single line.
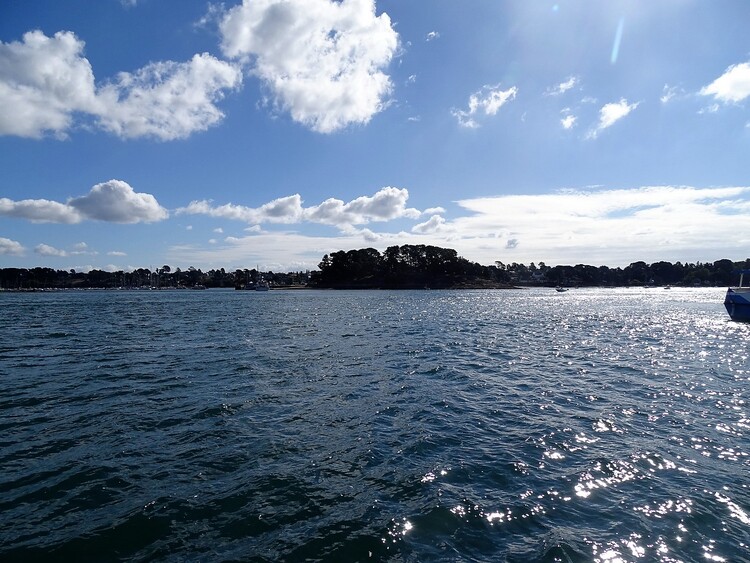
{"points": [[39, 211], [46, 81], [568, 121], [113, 201], [732, 86], [10, 247], [668, 94], [43, 80], [610, 114], [486, 101], [218, 230], [563, 87], [47, 250], [432, 35], [432, 225], [82, 248], [167, 100], [116, 253], [387, 204], [322, 61], [612, 227], [282, 210]]}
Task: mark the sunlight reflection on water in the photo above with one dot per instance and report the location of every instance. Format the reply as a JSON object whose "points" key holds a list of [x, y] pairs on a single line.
{"points": [[598, 424]]}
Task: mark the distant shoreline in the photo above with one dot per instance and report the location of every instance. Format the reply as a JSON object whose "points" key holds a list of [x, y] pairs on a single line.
{"points": [[460, 287]]}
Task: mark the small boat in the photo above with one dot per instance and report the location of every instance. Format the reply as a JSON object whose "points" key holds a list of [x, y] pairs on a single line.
{"points": [[262, 285], [561, 289], [737, 300]]}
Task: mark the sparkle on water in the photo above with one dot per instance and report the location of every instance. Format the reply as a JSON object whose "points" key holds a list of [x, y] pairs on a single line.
{"points": [[594, 425]]}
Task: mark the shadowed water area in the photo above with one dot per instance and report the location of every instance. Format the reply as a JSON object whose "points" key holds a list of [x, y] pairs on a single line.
{"points": [[521, 425]]}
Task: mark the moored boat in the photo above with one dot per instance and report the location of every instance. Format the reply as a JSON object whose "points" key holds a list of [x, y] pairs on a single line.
{"points": [[737, 300]]}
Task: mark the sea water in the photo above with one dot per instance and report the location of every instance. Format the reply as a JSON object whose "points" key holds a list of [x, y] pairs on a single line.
{"points": [[516, 425]]}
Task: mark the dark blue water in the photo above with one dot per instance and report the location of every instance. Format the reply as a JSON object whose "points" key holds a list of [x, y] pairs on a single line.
{"points": [[594, 425]]}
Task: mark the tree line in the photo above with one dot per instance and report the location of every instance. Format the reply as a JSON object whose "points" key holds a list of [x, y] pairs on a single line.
{"points": [[416, 266], [142, 278], [398, 267]]}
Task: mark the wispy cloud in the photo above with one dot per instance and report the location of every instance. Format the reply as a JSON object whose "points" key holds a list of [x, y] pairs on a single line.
{"points": [[610, 114], [611, 226], [432, 35], [485, 102], [563, 87]]}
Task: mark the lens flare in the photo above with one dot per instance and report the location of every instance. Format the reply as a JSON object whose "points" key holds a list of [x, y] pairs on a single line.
{"points": [[616, 44]]}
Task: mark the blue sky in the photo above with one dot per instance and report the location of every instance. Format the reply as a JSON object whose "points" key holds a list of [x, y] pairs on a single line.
{"points": [[138, 133]]}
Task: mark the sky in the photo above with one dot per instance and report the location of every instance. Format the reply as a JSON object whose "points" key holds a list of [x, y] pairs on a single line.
{"points": [[267, 133]]}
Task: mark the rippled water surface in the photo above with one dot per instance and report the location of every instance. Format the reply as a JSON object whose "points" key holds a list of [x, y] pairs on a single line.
{"points": [[521, 425]]}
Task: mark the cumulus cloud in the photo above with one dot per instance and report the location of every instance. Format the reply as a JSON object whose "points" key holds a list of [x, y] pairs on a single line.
{"points": [[282, 210], [113, 201], [486, 101], [732, 86], [322, 61], [39, 211], [46, 81], [432, 35], [387, 204], [47, 250], [116, 253], [116, 202], [9, 247], [610, 114], [432, 225], [167, 100], [43, 80]]}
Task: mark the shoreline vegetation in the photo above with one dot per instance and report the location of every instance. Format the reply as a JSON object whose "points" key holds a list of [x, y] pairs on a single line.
{"points": [[398, 267]]}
